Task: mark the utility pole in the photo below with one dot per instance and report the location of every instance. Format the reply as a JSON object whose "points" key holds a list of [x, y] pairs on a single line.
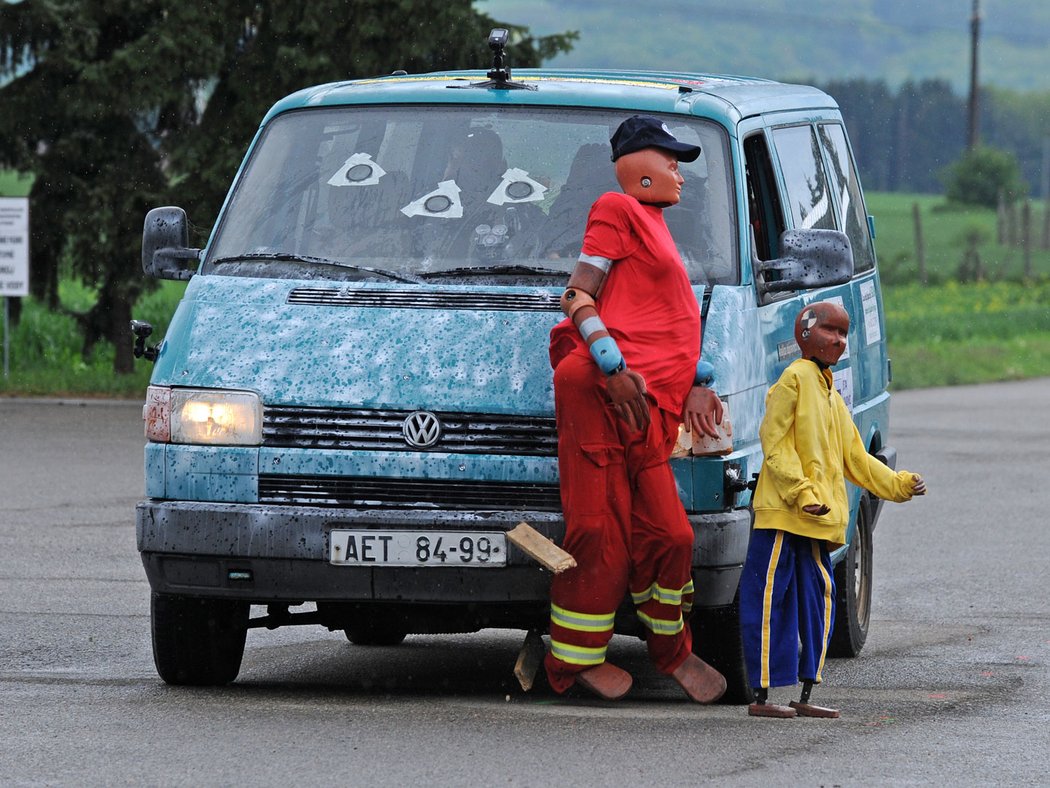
{"points": [[975, 34]]}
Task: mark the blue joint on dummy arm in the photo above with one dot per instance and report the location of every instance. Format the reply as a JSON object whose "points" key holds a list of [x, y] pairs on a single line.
{"points": [[607, 355], [705, 374]]}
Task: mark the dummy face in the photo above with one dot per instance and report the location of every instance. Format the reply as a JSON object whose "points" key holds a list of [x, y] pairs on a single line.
{"points": [[650, 175], [820, 330]]}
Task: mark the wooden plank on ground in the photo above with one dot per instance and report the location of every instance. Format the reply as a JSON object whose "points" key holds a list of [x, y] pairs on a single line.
{"points": [[530, 658]]}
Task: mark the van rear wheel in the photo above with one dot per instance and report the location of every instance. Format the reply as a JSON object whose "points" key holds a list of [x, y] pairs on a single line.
{"points": [[853, 579], [198, 642]]}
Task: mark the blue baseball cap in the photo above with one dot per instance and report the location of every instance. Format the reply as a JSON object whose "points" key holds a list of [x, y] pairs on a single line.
{"points": [[644, 131]]}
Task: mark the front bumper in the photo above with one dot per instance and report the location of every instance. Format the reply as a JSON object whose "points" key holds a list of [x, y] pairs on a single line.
{"points": [[273, 554]]}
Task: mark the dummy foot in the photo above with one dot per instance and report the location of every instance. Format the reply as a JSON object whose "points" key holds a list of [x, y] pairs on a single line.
{"points": [[701, 682], [606, 681], [809, 710], [771, 710]]}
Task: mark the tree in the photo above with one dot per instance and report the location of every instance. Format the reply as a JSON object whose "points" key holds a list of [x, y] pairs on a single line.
{"points": [[982, 175], [120, 105]]}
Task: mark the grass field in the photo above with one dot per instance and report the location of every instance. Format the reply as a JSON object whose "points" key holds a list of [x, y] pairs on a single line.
{"points": [[949, 332], [14, 185], [952, 331], [947, 233]]}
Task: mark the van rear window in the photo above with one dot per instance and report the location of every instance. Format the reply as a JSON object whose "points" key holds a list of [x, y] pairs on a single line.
{"points": [[418, 193]]}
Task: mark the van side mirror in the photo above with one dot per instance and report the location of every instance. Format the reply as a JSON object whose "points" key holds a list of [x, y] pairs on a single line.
{"points": [[811, 258], [165, 244]]}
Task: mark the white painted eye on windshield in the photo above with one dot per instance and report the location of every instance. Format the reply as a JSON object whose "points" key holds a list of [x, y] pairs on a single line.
{"points": [[442, 203], [358, 170], [516, 187]]}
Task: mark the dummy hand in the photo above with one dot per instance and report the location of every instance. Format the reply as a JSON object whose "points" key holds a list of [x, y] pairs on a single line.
{"points": [[819, 509], [703, 410], [626, 390], [920, 485]]}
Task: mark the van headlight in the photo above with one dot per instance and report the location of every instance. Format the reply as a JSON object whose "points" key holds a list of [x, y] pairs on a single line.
{"points": [[203, 416]]}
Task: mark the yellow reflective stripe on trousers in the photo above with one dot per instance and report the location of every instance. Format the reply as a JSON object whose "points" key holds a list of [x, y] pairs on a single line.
{"points": [[582, 622], [660, 626], [577, 655], [827, 610], [666, 596], [767, 606]]}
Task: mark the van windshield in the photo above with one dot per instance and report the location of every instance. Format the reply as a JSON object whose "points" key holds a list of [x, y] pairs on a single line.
{"points": [[452, 192]]}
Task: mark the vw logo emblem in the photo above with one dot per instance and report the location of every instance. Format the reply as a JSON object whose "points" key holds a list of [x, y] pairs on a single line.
{"points": [[421, 429]]}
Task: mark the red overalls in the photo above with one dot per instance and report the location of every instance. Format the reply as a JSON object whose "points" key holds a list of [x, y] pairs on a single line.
{"points": [[625, 525]]}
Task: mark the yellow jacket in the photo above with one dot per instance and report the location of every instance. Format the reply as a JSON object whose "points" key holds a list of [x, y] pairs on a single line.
{"points": [[811, 447]]}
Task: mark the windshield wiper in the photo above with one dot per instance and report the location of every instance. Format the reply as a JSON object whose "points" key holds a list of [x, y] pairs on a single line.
{"points": [[287, 257], [488, 270]]}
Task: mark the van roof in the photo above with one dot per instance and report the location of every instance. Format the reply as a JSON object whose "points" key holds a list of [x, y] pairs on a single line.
{"points": [[728, 98]]}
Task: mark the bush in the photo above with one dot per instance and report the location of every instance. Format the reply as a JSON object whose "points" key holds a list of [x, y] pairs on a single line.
{"points": [[981, 175]]}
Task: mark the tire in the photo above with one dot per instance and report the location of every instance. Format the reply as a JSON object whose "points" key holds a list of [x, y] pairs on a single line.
{"points": [[716, 640], [853, 580], [369, 632], [198, 642]]}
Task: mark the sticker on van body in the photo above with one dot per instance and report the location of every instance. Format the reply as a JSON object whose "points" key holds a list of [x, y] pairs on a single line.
{"points": [[788, 349], [870, 304], [844, 385]]}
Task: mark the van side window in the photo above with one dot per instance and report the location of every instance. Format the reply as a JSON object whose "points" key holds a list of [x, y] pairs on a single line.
{"points": [[846, 185], [809, 201], [763, 202]]}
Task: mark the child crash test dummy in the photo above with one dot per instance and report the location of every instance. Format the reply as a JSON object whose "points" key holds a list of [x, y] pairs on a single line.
{"points": [[627, 373], [811, 448]]}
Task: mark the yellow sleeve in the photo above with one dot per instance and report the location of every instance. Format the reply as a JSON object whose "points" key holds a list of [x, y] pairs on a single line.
{"points": [[864, 470], [782, 463]]}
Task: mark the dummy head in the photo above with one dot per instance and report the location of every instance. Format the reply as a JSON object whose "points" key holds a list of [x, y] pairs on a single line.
{"points": [[650, 175], [647, 156], [820, 330]]}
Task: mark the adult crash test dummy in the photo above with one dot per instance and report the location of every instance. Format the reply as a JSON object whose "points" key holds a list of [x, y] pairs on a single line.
{"points": [[627, 374]]}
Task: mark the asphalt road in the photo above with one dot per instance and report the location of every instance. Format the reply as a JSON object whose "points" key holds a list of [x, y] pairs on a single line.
{"points": [[952, 687]]}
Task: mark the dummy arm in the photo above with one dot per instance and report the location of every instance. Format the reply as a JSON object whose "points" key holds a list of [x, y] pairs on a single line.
{"points": [[625, 388]]}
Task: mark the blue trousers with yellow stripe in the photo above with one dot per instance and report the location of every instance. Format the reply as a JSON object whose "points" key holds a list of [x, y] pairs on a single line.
{"points": [[787, 596]]}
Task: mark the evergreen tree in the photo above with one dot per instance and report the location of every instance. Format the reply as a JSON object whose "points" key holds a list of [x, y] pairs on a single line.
{"points": [[117, 106]]}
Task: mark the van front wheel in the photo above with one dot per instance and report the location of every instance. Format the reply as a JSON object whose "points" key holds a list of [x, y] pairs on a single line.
{"points": [[198, 642], [853, 578], [717, 641]]}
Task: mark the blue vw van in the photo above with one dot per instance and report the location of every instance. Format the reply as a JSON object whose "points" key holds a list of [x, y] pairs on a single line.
{"points": [[353, 403]]}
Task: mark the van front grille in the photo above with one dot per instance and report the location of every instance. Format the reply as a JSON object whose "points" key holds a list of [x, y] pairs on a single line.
{"points": [[359, 428], [372, 492], [470, 300]]}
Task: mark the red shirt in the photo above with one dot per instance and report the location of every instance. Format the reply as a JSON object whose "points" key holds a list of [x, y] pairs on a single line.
{"points": [[646, 301]]}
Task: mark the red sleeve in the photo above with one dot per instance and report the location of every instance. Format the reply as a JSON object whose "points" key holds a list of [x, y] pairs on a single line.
{"points": [[609, 231]]}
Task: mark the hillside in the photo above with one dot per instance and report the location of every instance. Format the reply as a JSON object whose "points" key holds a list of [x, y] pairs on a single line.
{"points": [[801, 40]]}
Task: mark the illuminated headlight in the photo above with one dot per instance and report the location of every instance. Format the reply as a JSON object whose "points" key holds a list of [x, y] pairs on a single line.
{"points": [[203, 416]]}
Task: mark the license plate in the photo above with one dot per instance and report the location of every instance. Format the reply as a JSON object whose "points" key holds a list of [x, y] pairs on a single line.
{"points": [[417, 548]]}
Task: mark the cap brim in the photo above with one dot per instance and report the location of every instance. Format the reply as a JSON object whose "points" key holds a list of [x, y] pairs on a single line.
{"points": [[682, 150]]}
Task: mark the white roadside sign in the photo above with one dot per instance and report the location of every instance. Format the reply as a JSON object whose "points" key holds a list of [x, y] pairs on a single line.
{"points": [[14, 246]]}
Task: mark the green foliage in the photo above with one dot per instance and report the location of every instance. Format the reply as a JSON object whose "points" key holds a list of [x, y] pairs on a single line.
{"points": [[120, 106], [45, 348], [982, 176]]}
